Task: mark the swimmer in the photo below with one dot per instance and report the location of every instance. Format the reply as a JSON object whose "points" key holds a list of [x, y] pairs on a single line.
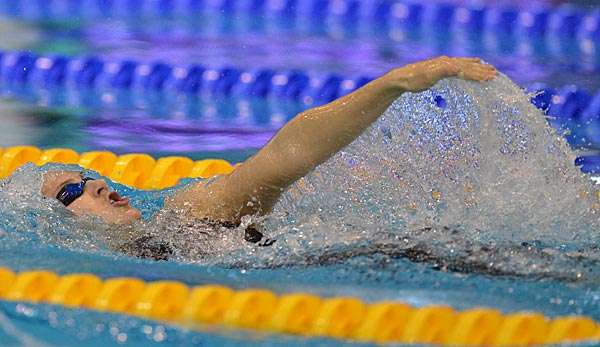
{"points": [[304, 142]]}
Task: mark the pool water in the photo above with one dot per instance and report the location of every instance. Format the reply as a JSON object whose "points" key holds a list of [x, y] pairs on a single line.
{"points": [[370, 278], [228, 128], [234, 128]]}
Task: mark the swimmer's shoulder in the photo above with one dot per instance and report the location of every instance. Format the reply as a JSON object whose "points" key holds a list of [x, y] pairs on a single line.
{"points": [[184, 206], [208, 199], [252, 188]]}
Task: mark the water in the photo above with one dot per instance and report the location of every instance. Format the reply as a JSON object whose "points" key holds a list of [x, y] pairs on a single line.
{"points": [[227, 128], [231, 128], [460, 195], [17, 34], [234, 128], [489, 256]]}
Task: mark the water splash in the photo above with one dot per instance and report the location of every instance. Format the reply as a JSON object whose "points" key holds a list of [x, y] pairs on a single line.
{"points": [[465, 176], [483, 162]]}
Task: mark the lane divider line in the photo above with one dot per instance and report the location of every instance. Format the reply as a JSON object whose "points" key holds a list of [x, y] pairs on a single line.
{"points": [[135, 169], [299, 313]]}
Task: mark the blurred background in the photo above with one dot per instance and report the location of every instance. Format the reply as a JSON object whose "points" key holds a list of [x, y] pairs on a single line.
{"points": [[217, 78]]}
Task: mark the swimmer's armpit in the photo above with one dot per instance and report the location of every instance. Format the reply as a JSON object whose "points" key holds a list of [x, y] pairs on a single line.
{"points": [[312, 137]]}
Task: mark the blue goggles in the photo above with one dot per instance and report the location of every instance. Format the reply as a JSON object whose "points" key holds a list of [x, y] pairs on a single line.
{"points": [[72, 191]]}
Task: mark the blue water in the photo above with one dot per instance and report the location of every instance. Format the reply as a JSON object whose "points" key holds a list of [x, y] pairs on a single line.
{"points": [[233, 129], [195, 127]]}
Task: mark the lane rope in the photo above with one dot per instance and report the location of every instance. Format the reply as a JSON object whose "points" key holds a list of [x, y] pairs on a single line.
{"points": [[536, 21], [44, 72], [298, 313], [135, 169]]}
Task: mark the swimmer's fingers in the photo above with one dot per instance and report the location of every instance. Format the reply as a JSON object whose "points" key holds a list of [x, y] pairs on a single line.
{"points": [[476, 64], [422, 75], [484, 73], [467, 68], [468, 59], [476, 74], [475, 71]]}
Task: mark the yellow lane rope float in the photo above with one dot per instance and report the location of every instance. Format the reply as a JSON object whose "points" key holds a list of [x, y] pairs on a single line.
{"points": [[135, 170], [303, 314]]}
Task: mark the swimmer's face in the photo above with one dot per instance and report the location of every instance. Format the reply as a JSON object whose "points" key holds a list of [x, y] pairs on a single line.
{"points": [[97, 198]]}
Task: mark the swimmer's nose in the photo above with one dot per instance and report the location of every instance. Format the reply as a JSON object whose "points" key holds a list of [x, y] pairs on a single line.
{"points": [[97, 187]]}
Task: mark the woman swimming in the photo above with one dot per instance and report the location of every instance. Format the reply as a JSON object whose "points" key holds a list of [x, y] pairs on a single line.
{"points": [[303, 143]]}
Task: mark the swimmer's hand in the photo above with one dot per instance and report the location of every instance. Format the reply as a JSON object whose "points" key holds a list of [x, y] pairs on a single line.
{"points": [[422, 75]]}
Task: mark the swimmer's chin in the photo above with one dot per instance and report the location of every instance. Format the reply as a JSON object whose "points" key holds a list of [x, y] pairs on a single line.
{"points": [[132, 215], [135, 214]]}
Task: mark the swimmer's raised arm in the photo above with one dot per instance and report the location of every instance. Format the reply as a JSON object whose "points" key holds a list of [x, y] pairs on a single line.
{"points": [[312, 137]]}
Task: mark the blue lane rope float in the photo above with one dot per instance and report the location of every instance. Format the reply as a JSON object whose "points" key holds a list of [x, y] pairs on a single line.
{"points": [[92, 72], [534, 22], [564, 21], [19, 68], [22, 67]]}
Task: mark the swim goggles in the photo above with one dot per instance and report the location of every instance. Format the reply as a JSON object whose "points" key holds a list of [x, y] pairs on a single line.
{"points": [[72, 191]]}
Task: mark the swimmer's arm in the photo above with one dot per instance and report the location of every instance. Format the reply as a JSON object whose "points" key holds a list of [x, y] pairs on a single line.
{"points": [[312, 137]]}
